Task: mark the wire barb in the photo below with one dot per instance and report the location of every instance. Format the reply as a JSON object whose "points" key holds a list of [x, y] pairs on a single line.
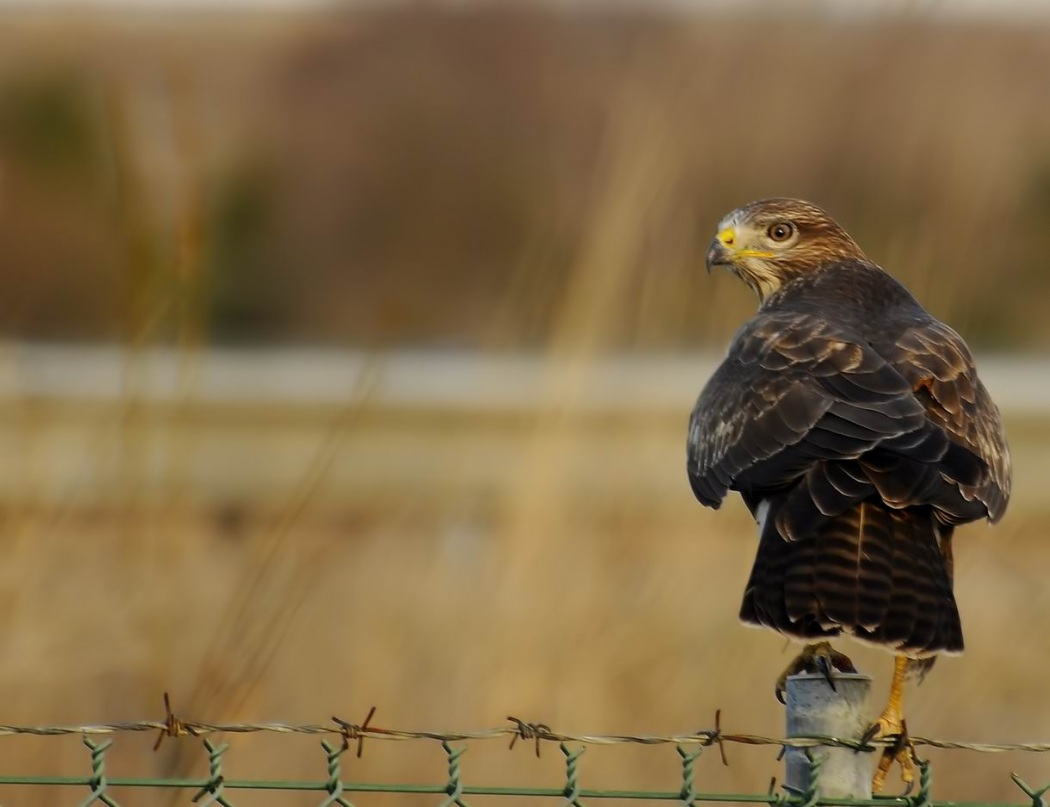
{"points": [[173, 727], [718, 738], [529, 731], [352, 731]]}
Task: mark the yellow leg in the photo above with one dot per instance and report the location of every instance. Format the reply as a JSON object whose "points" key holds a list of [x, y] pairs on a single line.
{"points": [[891, 724]]}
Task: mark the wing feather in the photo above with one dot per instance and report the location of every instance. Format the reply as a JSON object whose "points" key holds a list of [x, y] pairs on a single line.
{"points": [[791, 391], [796, 399], [941, 370]]}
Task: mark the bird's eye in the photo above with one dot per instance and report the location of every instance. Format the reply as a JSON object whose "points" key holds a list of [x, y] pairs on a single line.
{"points": [[781, 231]]}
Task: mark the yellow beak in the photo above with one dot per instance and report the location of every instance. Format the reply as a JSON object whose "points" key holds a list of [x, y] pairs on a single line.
{"points": [[719, 254]]}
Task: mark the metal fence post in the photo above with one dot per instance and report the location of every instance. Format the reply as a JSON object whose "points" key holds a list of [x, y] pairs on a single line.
{"points": [[813, 708]]}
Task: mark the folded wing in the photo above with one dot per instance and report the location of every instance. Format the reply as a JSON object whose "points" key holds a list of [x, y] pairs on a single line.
{"points": [[800, 409]]}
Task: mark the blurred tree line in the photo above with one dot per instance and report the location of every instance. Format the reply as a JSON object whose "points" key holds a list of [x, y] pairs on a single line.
{"points": [[422, 177]]}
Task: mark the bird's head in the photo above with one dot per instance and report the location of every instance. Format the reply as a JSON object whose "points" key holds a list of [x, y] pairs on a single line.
{"points": [[772, 241]]}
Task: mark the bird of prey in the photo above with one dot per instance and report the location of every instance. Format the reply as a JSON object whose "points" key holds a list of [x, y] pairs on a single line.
{"points": [[856, 430]]}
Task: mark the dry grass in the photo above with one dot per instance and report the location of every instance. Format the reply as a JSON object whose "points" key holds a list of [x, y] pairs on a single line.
{"points": [[427, 176], [450, 572], [453, 569]]}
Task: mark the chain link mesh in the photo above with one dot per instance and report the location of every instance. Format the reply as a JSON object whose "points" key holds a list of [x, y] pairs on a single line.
{"points": [[216, 789]]}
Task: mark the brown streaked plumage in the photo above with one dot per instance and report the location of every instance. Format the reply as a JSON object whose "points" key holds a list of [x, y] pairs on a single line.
{"points": [[855, 428]]}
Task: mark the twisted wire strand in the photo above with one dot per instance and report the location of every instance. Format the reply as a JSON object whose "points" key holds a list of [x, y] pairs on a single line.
{"points": [[538, 733]]}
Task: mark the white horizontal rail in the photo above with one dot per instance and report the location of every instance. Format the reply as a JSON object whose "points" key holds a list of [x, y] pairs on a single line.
{"points": [[409, 379]]}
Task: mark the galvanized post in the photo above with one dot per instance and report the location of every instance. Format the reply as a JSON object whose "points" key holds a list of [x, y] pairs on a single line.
{"points": [[814, 708]]}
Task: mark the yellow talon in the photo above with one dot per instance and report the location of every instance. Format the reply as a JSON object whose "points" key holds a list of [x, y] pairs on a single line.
{"points": [[891, 723]]}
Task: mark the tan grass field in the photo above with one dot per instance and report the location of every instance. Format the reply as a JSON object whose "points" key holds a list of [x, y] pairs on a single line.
{"points": [[450, 571], [296, 177], [549, 183]]}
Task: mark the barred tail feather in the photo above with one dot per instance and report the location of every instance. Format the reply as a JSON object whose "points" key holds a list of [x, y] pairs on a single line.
{"points": [[874, 572]]}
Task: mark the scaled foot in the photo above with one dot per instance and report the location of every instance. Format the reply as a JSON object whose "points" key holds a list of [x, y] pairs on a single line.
{"points": [[892, 726], [816, 658]]}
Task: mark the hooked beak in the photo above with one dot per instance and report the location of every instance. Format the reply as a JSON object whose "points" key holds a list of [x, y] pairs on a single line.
{"points": [[720, 252]]}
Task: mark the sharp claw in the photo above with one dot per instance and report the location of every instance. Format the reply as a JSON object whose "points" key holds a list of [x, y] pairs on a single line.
{"points": [[869, 735], [780, 696], [826, 668], [819, 658]]}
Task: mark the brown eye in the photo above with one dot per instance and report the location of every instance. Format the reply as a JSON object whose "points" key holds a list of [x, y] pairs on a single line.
{"points": [[780, 231]]}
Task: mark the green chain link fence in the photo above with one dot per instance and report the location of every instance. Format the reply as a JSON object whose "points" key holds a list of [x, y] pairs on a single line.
{"points": [[333, 789]]}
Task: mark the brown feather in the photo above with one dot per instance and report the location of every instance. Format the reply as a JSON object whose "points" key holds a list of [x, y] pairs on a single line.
{"points": [[857, 424]]}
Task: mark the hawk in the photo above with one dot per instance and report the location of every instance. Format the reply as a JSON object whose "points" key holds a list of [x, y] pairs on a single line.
{"points": [[855, 428]]}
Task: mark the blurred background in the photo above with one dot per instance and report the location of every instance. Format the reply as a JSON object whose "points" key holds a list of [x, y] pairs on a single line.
{"points": [[347, 350]]}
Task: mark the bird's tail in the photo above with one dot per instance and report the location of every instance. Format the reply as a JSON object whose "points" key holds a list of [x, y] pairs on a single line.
{"points": [[881, 574]]}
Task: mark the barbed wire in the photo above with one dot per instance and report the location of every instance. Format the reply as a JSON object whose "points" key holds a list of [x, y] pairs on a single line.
{"points": [[516, 730]]}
